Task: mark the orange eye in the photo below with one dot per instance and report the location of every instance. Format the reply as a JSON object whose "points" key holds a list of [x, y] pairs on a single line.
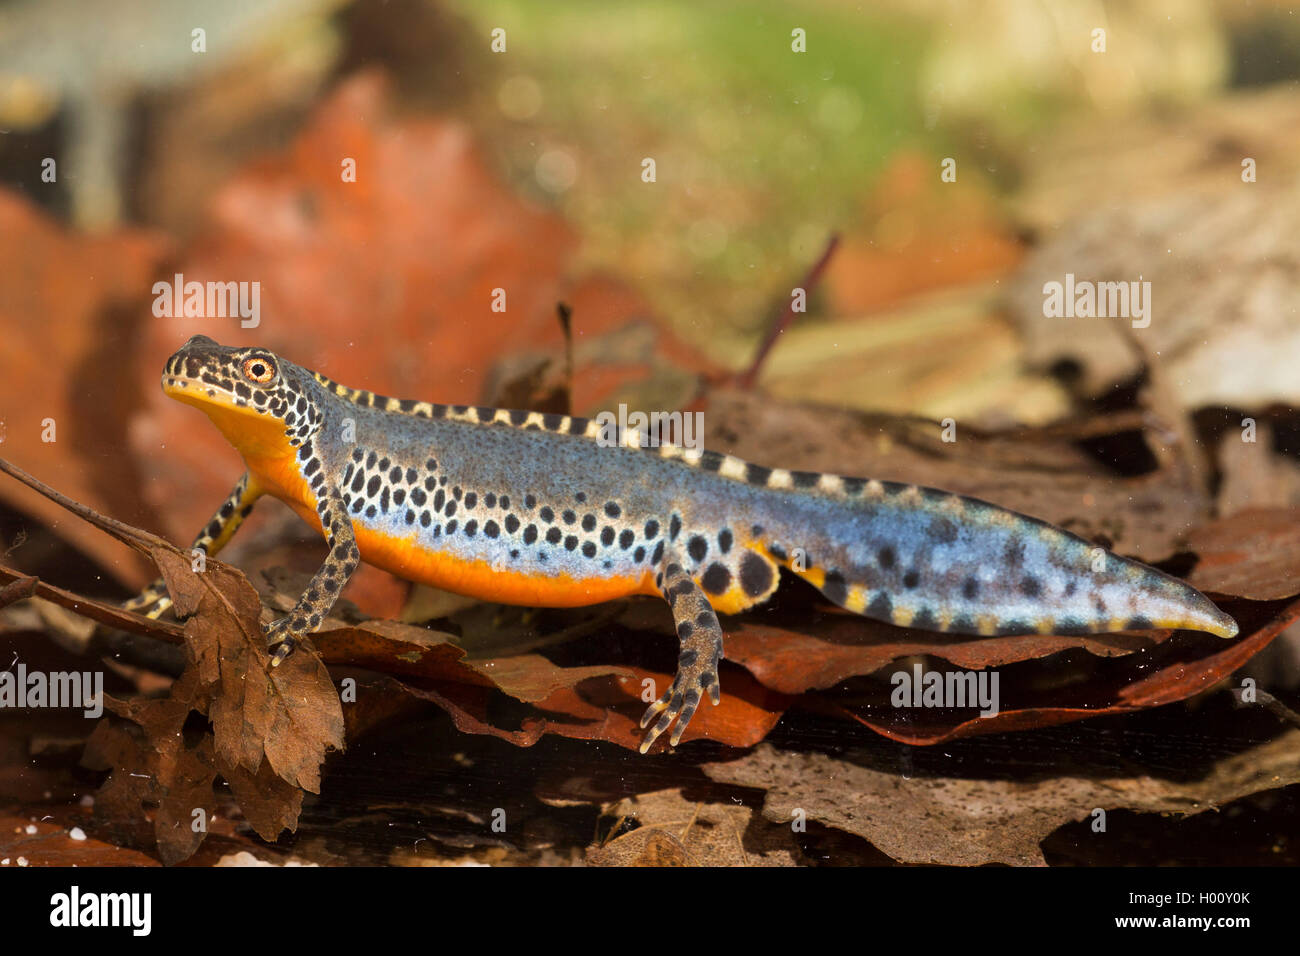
{"points": [[258, 370]]}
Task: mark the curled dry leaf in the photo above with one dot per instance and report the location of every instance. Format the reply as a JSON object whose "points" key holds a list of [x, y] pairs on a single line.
{"points": [[270, 727]]}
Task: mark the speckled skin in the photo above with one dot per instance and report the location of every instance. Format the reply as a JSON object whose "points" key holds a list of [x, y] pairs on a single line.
{"points": [[528, 508]]}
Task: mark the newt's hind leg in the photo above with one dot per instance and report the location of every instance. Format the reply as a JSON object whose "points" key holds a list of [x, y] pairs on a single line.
{"points": [[697, 665], [154, 599]]}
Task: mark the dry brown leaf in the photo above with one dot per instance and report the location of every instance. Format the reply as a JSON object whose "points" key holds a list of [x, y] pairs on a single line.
{"points": [[963, 822]]}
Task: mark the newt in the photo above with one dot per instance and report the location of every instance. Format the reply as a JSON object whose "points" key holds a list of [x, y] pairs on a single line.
{"points": [[528, 508]]}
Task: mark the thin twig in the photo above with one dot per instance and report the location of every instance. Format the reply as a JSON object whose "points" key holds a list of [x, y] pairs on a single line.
{"points": [[786, 317]]}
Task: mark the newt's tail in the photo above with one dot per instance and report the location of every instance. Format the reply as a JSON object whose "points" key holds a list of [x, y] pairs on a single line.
{"points": [[928, 559]]}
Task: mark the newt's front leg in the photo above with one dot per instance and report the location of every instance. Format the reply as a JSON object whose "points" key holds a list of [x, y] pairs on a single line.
{"points": [[154, 599], [326, 584], [701, 650]]}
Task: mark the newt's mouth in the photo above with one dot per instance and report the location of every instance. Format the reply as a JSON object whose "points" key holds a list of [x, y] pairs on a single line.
{"points": [[192, 391], [253, 431]]}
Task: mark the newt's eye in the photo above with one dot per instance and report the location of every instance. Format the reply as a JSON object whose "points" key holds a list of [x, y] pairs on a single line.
{"points": [[259, 370]]}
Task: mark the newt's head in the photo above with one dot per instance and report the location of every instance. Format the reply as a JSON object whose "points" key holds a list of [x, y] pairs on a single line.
{"points": [[251, 394]]}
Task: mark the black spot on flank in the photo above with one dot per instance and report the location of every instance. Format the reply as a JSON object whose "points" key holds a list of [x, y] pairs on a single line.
{"points": [[491, 529], [607, 536], [805, 479], [697, 548], [530, 534], [724, 540], [943, 530], [589, 549], [514, 553], [711, 460], [359, 481], [554, 534], [438, 500], [880, 607], [471, 527], [970, 589], [570, 542], [835, 587], [383, 499], [912, 578], [431, 464], [757, 474], [311, 467], [505, 502], [626, 537], [658, 553], [370, 511], [410, 517], [372, 486], [425, 519], [471, 499], [430, 483], [546, 514], [552, 422], [886, 557], [638, 555], [580, 496], [651, 529], [371, 459], [399, 496], [569, 517], [674, 528], [530, 501], [518, 416], [924, 620], [512, 524], [612, 509], [1030, 586], [755, 575], [395, 475], [411, 474], [1138, 622], [451, 527], [489, 500], [451, 508], [419, 497], [456, 492], [1014, 554], [716, 579]]}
